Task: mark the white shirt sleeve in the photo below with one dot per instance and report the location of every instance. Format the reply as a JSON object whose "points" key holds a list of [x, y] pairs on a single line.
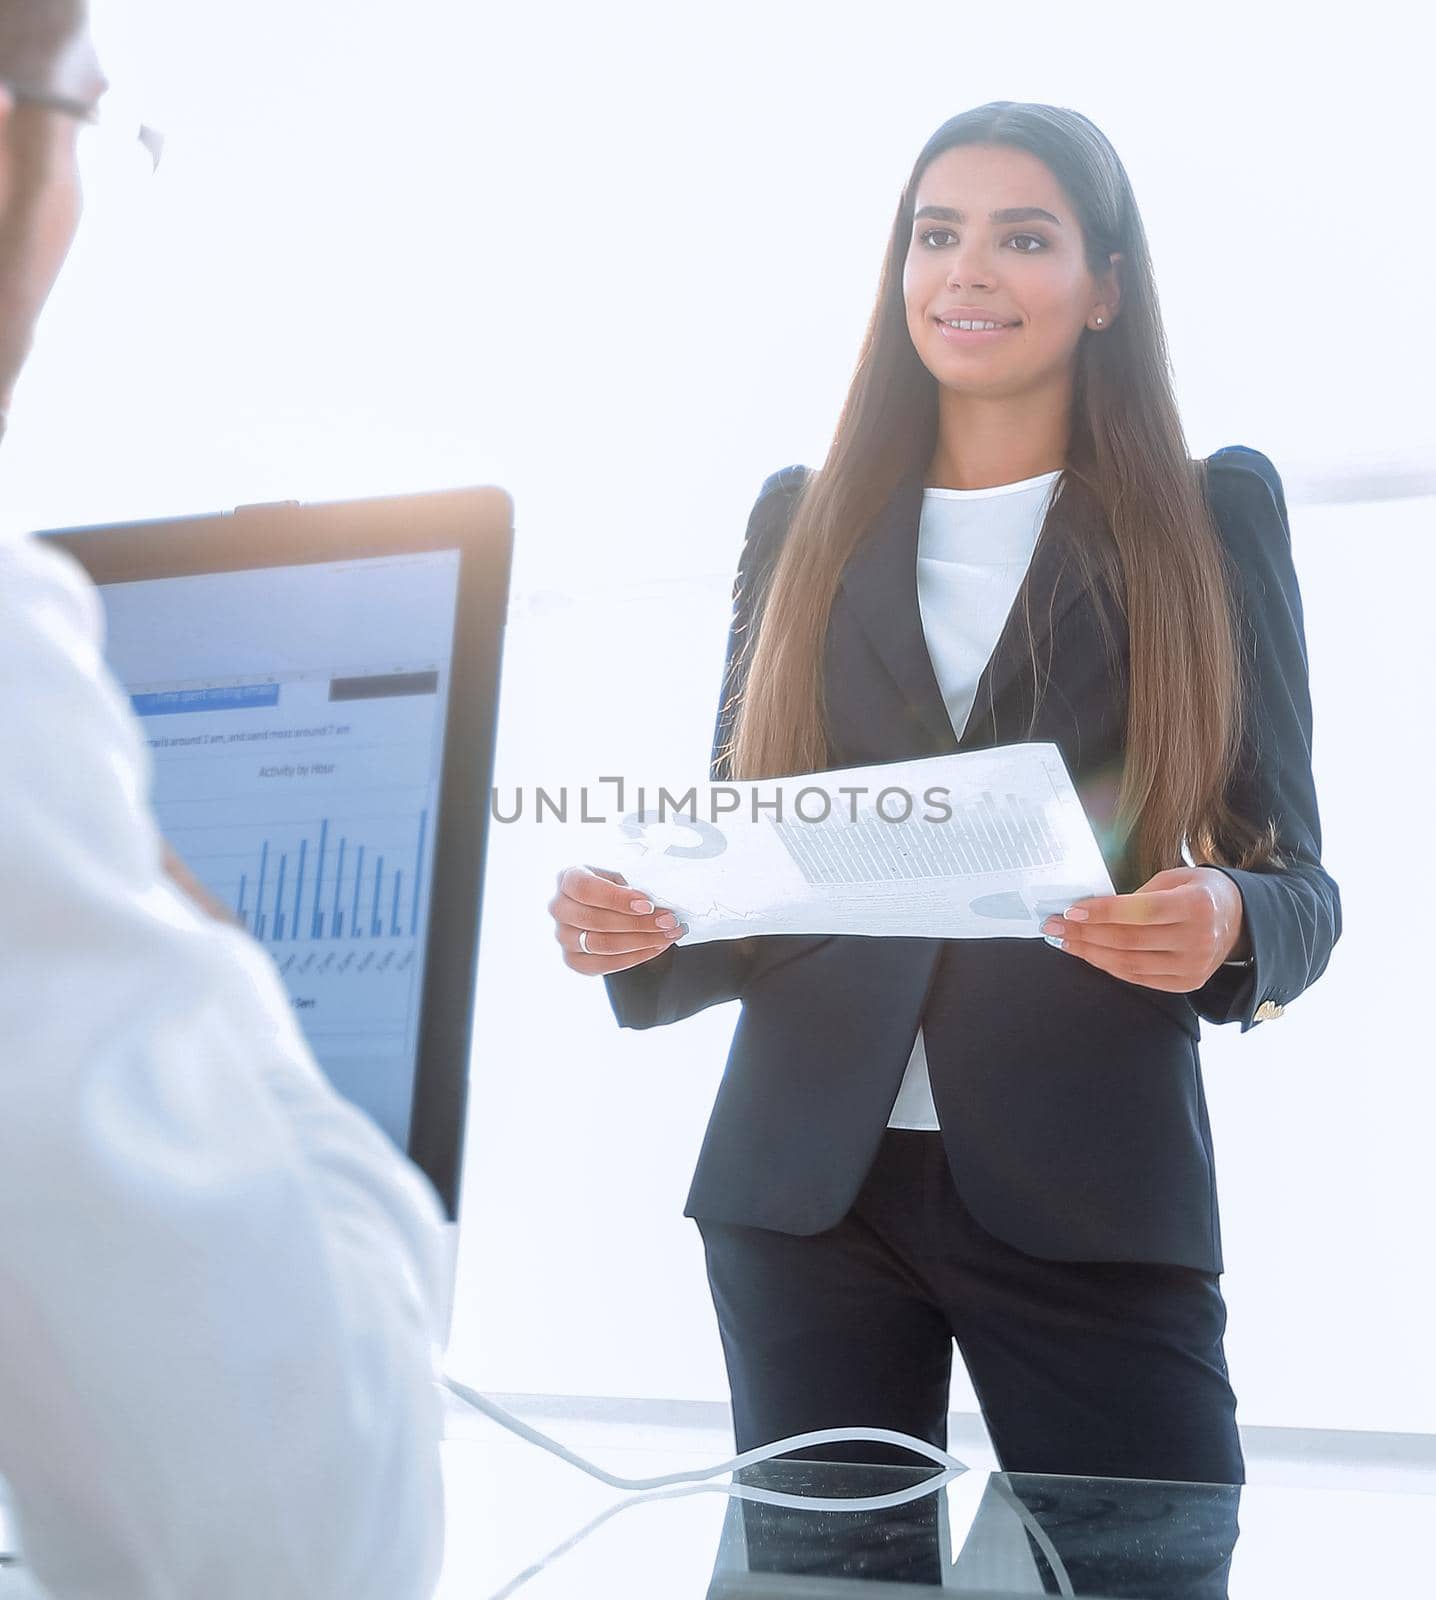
{"points": [[219, 1282]]}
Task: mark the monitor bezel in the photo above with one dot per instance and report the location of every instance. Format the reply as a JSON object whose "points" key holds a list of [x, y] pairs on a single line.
{"points": [[478, 523]]}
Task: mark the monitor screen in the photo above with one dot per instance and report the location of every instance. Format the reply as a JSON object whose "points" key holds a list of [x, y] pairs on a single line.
{"points": [[295, 717]]}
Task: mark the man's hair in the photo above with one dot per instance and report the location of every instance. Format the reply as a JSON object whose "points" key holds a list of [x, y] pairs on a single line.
{"points": [[33, 34]]}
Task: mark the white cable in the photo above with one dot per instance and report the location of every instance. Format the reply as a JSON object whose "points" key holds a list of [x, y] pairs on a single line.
{"points": [[765, 1452], [674, 1484]]}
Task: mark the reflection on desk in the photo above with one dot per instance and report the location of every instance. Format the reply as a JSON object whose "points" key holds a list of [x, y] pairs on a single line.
{"points": [[1028, 1535], [525, 1525]]}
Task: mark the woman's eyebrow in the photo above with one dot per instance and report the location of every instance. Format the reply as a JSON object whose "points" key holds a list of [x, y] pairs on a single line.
{"points": [[1011, 214]]}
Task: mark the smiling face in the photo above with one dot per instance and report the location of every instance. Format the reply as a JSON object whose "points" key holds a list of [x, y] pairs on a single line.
{"points": [[993, 231]]}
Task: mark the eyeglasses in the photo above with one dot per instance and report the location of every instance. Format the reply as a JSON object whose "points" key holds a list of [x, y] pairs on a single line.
{"points": [[114, 127]]}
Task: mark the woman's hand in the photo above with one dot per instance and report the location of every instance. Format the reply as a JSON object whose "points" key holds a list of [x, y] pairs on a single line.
{"points": [[1172, 933], [624, 929]]}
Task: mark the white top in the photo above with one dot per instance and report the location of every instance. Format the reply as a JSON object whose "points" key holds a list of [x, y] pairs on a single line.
{"points": [[220, 1285], [974, 548]]}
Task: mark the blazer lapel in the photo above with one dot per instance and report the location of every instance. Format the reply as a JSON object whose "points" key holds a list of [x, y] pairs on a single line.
{"points": [[879, 584]]}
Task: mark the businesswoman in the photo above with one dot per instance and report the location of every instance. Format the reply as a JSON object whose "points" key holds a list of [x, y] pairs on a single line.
{"points": [[1002, 1141]]}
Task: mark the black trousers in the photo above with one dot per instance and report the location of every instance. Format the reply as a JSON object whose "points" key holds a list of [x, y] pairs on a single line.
{"points": [[1096, 1369]]}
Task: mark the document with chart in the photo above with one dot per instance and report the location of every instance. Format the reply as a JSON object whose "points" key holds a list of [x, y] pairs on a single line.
{"points": [[978, 845]]}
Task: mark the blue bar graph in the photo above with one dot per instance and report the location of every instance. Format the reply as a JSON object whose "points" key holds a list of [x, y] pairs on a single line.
{"points": [[316, 923], [259, 898], [298, 904], [298, 890], [418, 872], [338, 916], [354, 916]]}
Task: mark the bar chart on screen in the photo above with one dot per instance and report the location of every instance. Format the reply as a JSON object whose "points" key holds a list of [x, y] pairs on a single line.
{"points": [[355, 901], [294, 722], [311, 817], [306, 804], [338, 901]]}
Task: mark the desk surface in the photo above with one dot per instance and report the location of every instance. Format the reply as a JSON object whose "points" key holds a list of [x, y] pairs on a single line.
{"points": [[523, 1523]]}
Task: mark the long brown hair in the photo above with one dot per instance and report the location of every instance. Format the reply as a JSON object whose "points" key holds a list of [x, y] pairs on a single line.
{"points": [[1130, 493]]}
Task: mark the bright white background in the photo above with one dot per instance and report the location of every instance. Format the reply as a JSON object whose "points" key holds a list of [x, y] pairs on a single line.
{"points": [[619, 260]]}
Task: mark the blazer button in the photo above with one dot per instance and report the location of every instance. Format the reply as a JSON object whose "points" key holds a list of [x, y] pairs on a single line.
{"points": [[1267, 1010]]}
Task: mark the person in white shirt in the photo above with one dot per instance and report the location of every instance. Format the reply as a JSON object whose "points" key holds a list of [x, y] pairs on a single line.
{"points": [[220, 1284]]}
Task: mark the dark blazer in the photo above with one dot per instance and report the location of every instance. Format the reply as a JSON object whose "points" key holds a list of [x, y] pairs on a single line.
{"points": [[1071, 1101]]}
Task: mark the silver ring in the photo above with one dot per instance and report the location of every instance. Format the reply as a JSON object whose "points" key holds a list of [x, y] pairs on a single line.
{"points": [[583, 942]]}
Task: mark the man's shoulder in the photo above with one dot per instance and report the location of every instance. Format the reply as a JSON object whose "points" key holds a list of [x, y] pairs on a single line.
{"points": [[44, 588]]}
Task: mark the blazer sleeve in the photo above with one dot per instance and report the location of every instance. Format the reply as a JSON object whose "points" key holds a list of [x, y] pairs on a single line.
{"points": [[1292, 914], [687, 979]]}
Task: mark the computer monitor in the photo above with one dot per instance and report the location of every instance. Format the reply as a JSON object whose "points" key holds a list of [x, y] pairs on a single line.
{"points": [[318, 686]]}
